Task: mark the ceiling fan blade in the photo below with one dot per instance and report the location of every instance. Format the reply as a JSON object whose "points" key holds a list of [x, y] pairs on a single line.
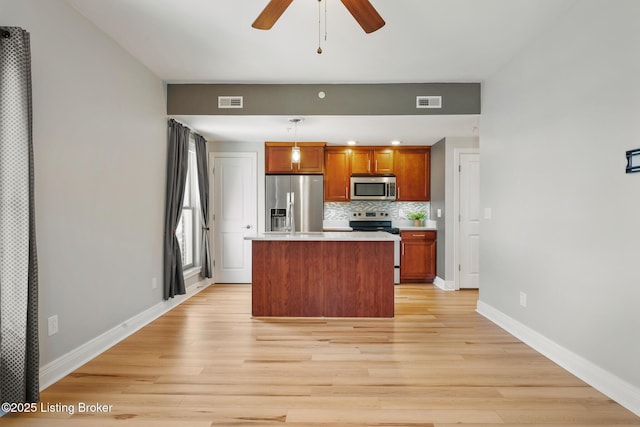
{"points": [[365, 14], [270, 14]]}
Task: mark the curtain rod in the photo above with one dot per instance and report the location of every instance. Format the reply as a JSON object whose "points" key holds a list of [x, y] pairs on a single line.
{"points": [[4, 33]]}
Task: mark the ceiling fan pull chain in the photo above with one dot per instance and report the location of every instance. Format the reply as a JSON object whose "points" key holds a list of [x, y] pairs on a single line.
{"points": [[325, 20], [319, 27]]}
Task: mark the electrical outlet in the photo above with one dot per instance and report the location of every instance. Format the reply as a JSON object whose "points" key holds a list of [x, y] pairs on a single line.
{"points": [[154, 283], [52, 325], [523, 299]]}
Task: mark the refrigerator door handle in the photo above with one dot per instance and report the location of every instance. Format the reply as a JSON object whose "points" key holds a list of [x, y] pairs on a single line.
{"points": [[287, 212]]}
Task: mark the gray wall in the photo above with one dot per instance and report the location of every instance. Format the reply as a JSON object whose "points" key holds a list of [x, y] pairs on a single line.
{"points": [[438, 185], [556, 123], [443, 193], [100, 149]]}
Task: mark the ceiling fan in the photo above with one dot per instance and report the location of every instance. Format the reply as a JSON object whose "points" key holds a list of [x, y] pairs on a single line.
{"points": [[362, 11]]}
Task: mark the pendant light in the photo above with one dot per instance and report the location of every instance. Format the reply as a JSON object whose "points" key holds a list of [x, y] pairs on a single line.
{"points": [[295, 151]]}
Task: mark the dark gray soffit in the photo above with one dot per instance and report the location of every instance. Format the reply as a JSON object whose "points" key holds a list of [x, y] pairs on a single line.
{"points": [[340, 99]]}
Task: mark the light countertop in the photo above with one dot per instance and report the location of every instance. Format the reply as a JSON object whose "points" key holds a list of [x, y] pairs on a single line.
{"points": [[407, 225], [342, 236]]}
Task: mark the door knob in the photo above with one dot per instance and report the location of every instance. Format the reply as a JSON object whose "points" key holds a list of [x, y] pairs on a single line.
{"points": [[248, 227]]}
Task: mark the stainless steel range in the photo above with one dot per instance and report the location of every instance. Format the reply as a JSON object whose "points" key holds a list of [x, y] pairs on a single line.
{"points": [[378, 221], [372, 221]]}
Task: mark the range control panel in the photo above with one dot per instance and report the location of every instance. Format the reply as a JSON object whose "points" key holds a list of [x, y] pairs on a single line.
{"points": [[369, 215]]}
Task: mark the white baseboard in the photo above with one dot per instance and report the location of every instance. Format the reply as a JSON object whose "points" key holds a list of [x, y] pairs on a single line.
{"points": [[444, 285], [64, 365], [604, 381]]}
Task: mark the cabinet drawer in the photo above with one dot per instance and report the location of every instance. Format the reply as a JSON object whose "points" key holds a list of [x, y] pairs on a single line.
{"points": [[418, 235]]}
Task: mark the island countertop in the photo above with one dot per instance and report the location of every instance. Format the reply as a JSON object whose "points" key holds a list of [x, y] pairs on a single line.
{"points": [[330, 236]]}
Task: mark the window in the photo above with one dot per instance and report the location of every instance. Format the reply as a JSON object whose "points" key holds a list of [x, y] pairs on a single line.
{"points": [[188, 229]]}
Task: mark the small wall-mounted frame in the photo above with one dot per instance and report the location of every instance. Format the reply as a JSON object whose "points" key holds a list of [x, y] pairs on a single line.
{"points": [[633, 160]]}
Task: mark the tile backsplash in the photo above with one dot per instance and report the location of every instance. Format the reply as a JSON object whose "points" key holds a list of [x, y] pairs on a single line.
{"points": [[335, 211]]}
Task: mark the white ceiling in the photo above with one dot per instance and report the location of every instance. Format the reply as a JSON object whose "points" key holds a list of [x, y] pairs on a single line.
{"points": [[423, 41]]}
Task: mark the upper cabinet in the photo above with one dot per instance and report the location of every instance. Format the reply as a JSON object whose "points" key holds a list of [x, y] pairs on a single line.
{"points": [[412, 169], [372, 161], [278, 158], [337, 174]]}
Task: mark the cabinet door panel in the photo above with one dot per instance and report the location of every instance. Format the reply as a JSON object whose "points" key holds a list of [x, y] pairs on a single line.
{"points": [[311, 160], [418, 256], [361, 161], [278, 160], [336, 175], [412, 174], [383, 161]]}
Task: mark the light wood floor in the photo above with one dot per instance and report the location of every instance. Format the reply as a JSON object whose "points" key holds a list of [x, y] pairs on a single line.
{"points": [[437, 363]]}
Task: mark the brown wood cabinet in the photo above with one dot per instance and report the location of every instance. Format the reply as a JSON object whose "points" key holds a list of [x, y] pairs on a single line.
{"points": [[311, 278], [372, 161], [278, 158], [337, 174], [410, 165], [418, 256], [412, 170]]}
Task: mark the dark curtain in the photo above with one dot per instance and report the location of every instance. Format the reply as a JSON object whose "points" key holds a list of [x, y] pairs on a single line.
{"points": [[203, 187], [177, 165], [19, 357]]}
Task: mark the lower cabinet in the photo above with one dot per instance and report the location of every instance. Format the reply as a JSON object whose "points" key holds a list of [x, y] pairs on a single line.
{"points": [[418, 256]]}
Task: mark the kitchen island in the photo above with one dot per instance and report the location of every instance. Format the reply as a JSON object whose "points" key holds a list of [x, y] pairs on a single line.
{"points": [[331, 274]]}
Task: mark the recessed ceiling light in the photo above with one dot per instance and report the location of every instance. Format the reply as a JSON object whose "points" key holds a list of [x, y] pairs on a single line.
{"points": [[351, 143], [396, 142]]}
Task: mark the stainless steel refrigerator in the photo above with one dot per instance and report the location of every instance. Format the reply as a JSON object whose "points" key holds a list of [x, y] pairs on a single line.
{"points": [[307, 209]]}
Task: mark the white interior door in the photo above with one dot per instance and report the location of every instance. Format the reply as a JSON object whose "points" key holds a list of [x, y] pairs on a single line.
{"points": [[469, 227], [235, 215]]}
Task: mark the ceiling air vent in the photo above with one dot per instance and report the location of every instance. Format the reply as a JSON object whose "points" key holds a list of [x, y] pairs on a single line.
{"points": [[428, 102], [229, 102]]}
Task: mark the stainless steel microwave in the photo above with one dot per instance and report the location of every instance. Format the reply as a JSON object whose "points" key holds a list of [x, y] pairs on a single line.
{"points": [[373, 187]]}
